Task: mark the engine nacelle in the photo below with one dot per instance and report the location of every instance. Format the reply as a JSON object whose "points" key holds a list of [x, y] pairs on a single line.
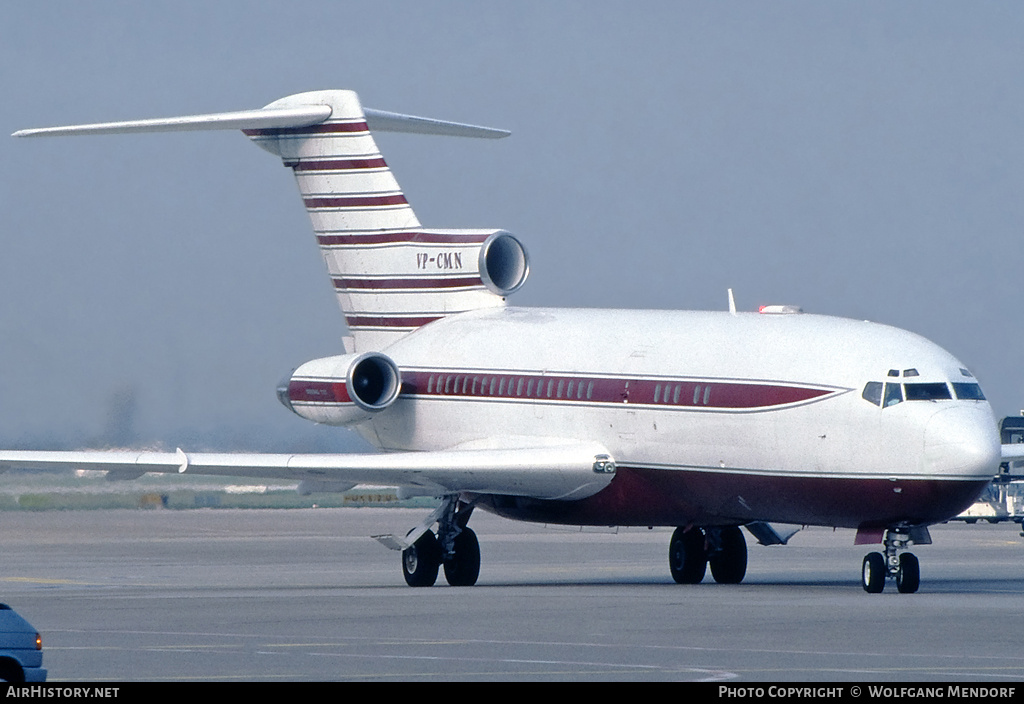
{"points": [[342, 390], [503, 263]]}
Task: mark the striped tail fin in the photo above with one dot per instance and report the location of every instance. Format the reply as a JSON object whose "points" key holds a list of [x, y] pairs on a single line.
{"points": [[391, 275]]}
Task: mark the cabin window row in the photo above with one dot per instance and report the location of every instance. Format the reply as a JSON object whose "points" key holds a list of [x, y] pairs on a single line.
{"points": [[510, 387], [672, 394], [567, 388]]}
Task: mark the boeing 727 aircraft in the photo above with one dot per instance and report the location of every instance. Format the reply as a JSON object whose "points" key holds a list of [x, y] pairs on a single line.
{"points": [[703, 421]]}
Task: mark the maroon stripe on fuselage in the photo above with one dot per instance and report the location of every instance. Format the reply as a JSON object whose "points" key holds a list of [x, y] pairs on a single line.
{"points": [[326, 128], [355, 201], [406, 284], [318, 391], [371, 321], [710, 394], [401, 238], [719, 394], [640, 496], [340, 165]]}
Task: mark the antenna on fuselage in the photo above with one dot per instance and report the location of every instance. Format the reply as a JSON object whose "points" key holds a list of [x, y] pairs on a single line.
{"points": [[732, 302]]}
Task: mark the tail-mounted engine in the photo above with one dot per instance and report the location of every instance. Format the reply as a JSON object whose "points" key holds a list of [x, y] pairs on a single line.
{"points": [[503, 263], [342, 390]]}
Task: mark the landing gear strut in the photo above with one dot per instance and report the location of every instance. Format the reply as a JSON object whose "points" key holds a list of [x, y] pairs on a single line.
{"points": [[904, 568], [693, 549], [455, 547]]}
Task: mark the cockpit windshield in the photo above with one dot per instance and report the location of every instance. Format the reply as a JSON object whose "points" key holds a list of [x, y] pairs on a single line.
{"points": [[927, 392], [891, 393]]}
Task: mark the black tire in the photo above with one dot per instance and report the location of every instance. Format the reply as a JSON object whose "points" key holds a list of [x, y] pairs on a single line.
{"points": [[873, 573], [687, 559], [729, 564], [908, 579], [10, 671], [421, 560], [463, 568]]}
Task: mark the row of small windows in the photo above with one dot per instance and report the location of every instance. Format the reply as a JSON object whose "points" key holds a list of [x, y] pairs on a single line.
{"points": [[672, 394], [526, 387], [563, 388], [890, 393]]}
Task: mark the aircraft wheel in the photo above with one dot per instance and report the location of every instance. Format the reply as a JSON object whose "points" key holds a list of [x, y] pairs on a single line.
{"points": [[464, 567], [729, 564], [908, 579], [421, 560], [873, 573], [687, 559]]}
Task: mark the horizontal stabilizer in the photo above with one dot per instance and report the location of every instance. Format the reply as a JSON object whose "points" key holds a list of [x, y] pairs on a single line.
{"points": [[270, 118], [266, 118], [381, 121]]}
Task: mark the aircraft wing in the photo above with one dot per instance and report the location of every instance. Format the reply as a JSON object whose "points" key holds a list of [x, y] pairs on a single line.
{"points": [[565, 471]]}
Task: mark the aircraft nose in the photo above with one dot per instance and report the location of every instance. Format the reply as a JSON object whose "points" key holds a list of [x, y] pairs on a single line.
{"points": [[962, 441]]}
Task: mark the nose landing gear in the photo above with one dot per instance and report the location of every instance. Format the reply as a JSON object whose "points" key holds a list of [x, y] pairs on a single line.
{"points": [[904, 568]]}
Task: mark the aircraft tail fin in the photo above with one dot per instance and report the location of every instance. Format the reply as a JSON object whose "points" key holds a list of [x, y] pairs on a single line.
{"points": [[390, 274]]}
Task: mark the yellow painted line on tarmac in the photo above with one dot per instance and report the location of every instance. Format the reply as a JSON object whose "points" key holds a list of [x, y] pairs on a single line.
{"points": [[41, 580]]}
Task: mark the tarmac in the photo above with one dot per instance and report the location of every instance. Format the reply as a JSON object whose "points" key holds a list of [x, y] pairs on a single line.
{"points": [[243, 595]]}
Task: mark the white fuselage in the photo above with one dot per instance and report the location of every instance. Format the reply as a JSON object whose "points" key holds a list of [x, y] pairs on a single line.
{"points": [[700, 420], [711, 417]]}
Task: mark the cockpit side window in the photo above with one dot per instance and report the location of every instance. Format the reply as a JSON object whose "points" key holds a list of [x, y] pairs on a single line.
{"points": [[968, 392], [873, 392]]}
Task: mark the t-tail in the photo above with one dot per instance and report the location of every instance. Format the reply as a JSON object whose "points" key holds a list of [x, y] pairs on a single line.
{"points": [[391, 275]]}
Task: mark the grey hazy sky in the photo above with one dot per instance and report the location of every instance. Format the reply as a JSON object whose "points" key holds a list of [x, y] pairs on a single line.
{"points": [[858, 159]]}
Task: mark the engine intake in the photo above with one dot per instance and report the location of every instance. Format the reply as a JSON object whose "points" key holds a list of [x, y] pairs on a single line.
{"points": [[342, 390], [504, 264], [373, 381]]}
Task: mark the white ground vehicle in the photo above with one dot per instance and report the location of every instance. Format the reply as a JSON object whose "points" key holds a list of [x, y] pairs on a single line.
{"points": [[1003, 499]]}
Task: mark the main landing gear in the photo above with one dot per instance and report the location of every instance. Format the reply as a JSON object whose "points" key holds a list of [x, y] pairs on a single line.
{"points": [[455, 547], [693, 549], [904, 568]]}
